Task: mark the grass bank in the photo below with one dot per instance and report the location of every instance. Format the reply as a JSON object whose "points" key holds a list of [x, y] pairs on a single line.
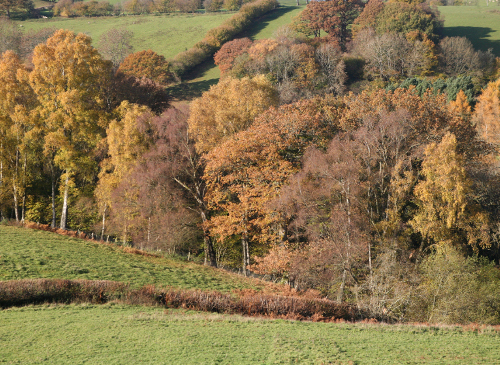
{"points": [[32, 254], [116, 334]]}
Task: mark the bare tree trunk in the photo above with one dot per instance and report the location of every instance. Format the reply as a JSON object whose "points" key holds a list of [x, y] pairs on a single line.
{"points": [[210, 257], [246, 255], [16, 204], [64, 213], [53, 183], [340, 292], [103, 221]]}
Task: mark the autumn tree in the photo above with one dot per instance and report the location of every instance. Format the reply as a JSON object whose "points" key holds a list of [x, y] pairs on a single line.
{"points": [[458, 57], [224, 58], [392, 56], [126, 141], [8, 6], [246, 172], [368, 17], [487, 113], [69, 79], [446, 211], [332, 66], [114, 45], [10, 36], [227, 108], [18, 133], [147, 64], [403, 17], [333, 17]]}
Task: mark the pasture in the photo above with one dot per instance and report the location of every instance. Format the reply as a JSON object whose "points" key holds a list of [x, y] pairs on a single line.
{"points": [[32, 254], [166, 34], [117, 334], [481, 24]]}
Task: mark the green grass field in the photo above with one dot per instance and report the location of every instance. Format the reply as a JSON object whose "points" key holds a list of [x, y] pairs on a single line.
{"points": [[116, 334], [30, 254], [480, 24], [167, 35]]}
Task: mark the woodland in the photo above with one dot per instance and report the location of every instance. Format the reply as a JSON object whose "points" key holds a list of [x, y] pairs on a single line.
{"points": [[355, 153]]}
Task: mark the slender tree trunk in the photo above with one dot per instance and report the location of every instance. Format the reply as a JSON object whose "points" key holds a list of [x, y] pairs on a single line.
{"points": [[53, 183], [103, 220], [64, 213], [210, 257], [16, 204], [246, 256]]}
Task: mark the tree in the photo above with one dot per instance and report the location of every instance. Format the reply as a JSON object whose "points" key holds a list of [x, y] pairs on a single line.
{"points": [[392, 56], [227, 108], [114, 45], [18, 121], [126, 142], [70, 79], [224, 58], [10, 36], [333, 17], [213, 5], [458, 57], [147, 64], [447, 214], [8, 6], [402, 17], [246, 172], [487, 113], [332, 66], [368, 17]]}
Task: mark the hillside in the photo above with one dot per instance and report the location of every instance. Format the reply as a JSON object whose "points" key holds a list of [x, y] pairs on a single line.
{"points": [[29, 254], [115, 334]]}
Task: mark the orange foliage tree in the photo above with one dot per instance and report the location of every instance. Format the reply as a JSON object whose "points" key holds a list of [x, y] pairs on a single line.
{"points": [[247, 171]]}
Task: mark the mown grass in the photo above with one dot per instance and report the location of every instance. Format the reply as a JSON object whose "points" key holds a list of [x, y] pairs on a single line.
{"points": [[32, 254], [480, 24], [116, 334], [167, 35]]}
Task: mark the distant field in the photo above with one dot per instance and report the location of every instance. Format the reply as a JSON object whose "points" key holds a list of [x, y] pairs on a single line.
{"points": [[29, 254], [208, 74], [115, 334], [481, 24], [167, 35]]}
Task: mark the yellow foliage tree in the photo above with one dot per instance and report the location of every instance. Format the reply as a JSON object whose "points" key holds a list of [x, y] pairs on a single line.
{"points": [[126, 143], [227, 108], [447, 214], [69, 79]]}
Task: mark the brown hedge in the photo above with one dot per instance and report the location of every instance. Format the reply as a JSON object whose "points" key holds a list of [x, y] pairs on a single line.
{"points": [[25, 292]]}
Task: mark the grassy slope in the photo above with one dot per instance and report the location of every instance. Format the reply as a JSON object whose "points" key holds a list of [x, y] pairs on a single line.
{"points": [[30, 254], [167, 35], [115, 334], [480, 24], [208, 74]]}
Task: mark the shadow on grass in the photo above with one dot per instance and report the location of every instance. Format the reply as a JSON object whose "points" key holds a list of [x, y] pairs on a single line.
{"points": [[264, 21], [187, 91], [477, 35], [195, 82]]}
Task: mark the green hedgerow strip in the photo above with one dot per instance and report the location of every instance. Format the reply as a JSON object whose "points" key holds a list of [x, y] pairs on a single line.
{"points": [[216, 37]]}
